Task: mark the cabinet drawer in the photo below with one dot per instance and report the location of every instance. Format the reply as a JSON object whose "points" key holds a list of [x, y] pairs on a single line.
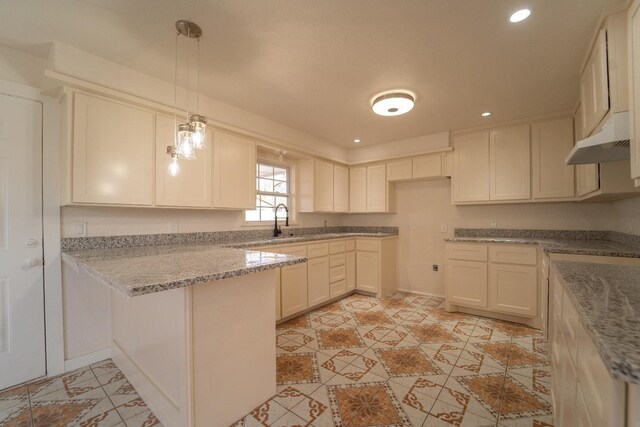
{"points": [[510, 254], [337, 273], [350, 245], [336, 260], [318, 250], [368, 245], [294, 250], [338, 288], [467, 252], [337, 247]]}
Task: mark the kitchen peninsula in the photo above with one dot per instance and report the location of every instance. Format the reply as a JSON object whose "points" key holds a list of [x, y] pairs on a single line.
{"points": [[192, 326]]}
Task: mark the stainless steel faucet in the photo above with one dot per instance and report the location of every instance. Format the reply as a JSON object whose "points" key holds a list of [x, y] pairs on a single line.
{"points": [[277, 230]]}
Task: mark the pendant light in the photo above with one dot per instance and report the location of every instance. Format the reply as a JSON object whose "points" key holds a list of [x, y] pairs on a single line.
{"points": [[190, 136]]}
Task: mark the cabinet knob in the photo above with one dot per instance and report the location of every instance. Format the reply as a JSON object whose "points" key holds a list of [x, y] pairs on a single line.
{"points": [[32, 262], [31, 243]]}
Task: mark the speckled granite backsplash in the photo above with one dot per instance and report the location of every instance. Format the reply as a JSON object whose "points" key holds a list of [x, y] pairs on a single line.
{"points": [[613, 236], [214, 237]]}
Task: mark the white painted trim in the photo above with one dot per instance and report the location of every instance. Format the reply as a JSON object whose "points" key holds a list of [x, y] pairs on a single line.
{"points": [[87, 359], [54, 328], [426, 294]]}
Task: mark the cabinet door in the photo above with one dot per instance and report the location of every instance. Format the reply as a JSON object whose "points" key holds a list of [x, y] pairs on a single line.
{"points": [[586, 100], [340, 189], [293, 283], [429, 166], [600, 79], [470, 177], [234, 171], [510, 164], [113, 148], [399, 170], [358, 189], [467, 283], [192, 186], [551, 142], [588, 179], [513, 289], [368, 271], [377, 188], [278, 296], [634, 60], [318, 280], [323, 186], [351, 271]]}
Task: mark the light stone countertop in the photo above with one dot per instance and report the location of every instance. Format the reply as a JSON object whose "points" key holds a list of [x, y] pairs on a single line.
{"points": [[142, 270], [607, 298], [286, 240], [561, 246]]}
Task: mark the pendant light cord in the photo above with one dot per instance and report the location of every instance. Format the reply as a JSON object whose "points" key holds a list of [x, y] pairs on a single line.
{"points": [[188, 73], [198, 76], [175, 96]]}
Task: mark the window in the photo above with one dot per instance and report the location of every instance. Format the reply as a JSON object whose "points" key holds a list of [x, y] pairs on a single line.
{"points": [[272, 184]]}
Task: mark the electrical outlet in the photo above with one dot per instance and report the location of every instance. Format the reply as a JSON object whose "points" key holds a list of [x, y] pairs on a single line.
{"points": [[80, 229], [443, 228], [494, 223], [173, 226], [435, 267]]}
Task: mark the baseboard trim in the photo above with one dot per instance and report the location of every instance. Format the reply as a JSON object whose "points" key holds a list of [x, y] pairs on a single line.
{"points": [[426, 294], [87, 359]]}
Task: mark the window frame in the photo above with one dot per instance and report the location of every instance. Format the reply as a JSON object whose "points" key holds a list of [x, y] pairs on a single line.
{"points": [[289, 194]]}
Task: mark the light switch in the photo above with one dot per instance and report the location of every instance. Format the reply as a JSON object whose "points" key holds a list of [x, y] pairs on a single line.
{"points": [[80, 229]]}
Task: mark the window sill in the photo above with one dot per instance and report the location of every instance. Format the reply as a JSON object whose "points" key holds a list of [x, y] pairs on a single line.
{"points": [[267, 224]]}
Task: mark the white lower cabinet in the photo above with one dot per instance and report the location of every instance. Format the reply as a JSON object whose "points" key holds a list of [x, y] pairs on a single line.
{"points": [[467, 283], [351, 271], [495, 278], [294, 289], [278, 295], [367, 271], [584, 394], [318, 280], [377, 265]]}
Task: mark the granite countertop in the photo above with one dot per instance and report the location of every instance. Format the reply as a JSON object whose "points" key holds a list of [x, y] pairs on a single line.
{"points": [[142, 270], [305, 238], [562, 246], [607, 298]]}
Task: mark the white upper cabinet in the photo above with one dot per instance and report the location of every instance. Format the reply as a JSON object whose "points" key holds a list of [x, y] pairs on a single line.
{"points": [[400, 170], [427, 166], [340, 188], [113, 152], [358, 189], [634, 87], [509, 164], [234, 171], [551, 142], [316, 186], [192, 186], [470, 178], [594, 86], [377, 188]]}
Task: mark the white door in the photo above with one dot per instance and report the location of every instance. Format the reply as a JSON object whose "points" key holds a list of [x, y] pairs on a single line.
{"points": [[22, 354]]}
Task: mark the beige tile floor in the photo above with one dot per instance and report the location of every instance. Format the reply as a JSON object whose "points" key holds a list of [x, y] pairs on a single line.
{"points": [[361, 361], [404, 361], [95, 396]]}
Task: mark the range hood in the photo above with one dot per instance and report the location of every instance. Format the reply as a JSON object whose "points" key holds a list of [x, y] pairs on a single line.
{"points": [[608, 145]]}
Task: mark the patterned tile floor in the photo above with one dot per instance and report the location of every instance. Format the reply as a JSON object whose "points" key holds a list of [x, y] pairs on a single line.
{"points": [[361, 361], [95, 396], [404, 361]]}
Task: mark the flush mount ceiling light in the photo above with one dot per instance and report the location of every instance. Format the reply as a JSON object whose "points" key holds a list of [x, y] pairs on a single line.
{"points": [[520, 15], [357, 141], [189, 136], [486, 114], [393, 103]]}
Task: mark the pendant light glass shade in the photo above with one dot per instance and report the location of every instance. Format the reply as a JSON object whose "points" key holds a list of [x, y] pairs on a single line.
{"points": [[174, 166], [199, 124], [185, 142]]}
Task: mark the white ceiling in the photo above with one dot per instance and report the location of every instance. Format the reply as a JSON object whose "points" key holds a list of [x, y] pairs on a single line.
{"points": [[315, 64]]}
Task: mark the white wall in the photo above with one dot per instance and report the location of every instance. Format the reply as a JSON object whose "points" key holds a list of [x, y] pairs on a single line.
{"points": [[422, 207], [626, 214], [21, 68]]}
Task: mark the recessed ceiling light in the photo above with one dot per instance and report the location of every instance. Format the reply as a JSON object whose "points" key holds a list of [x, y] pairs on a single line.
{"points": [[486, 114], [393, 103], [356, 141], [520, 15]]}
